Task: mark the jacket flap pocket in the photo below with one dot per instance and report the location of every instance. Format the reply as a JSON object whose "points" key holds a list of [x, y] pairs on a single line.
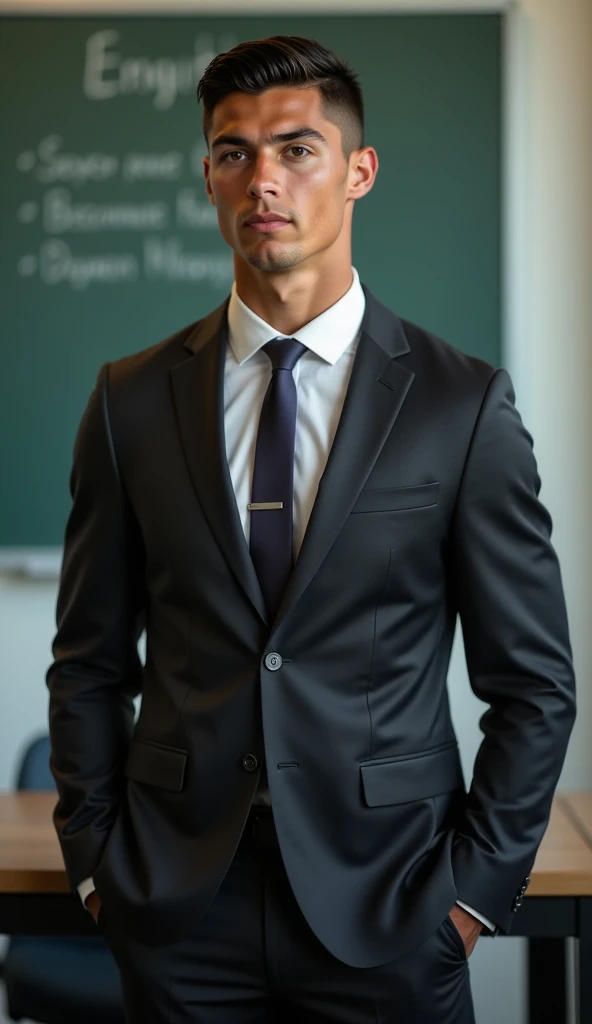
{"points": [[388, 499], [156, 764], [399, 780]]}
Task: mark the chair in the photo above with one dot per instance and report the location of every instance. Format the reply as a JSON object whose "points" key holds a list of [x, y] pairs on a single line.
{"points": [[59, 980]]}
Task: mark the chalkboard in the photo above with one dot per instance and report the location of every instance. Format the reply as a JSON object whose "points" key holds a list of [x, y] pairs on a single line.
{"points": [[109, 243]]}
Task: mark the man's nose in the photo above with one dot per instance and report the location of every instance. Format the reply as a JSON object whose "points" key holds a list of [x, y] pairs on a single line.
{"points": [[265, 178]]}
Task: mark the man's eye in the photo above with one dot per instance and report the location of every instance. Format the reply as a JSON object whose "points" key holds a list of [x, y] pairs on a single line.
{"points": [[225, 158]]}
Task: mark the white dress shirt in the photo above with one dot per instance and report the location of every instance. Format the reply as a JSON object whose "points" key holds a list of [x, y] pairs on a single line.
{"points": [[321, 376]]}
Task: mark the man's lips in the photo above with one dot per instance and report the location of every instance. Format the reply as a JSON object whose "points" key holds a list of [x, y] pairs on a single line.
{"points": [[267, 220], [268, 225]]}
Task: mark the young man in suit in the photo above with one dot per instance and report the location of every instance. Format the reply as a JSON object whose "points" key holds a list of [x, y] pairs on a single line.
{"points": [[296, 496]]}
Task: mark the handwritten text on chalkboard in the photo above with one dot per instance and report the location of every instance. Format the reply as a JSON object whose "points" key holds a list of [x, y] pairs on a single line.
{"points": [[109, 74]]}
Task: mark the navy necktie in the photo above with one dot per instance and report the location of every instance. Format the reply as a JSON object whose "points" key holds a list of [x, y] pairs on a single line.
{"points": [[271, 535]]}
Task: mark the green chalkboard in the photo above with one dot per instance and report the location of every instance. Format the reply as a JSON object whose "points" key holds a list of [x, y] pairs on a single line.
{"points": [[109, 243]]}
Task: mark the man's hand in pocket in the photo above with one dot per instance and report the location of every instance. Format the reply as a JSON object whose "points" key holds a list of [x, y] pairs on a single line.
{"points": [[93, 903], [469, 927]]}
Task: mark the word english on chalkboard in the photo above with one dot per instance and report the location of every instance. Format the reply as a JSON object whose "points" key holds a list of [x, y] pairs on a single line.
{"points": [[109, 74]]}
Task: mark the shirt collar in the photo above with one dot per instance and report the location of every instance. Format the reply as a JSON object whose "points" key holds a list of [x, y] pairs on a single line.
{"points": [[328, 335]]}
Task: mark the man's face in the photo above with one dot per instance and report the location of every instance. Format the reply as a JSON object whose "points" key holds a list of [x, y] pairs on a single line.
{"points": [[305, 179]]}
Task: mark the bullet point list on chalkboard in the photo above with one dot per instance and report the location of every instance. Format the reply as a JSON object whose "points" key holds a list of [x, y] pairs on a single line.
{"points": [[163, 259], [54, 162]]}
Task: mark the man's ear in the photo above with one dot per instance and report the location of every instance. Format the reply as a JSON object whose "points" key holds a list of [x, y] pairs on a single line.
{"points": [[364, 169]]}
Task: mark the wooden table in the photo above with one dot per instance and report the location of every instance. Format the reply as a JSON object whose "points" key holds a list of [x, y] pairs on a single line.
{"points": [[558, 906], [35, 898]]}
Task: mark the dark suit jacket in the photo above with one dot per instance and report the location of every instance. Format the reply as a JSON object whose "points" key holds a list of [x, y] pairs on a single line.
{"points": [[428, 507]]}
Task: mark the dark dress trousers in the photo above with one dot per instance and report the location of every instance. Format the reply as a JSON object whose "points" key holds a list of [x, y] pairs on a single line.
{"points": [[428, 509]]}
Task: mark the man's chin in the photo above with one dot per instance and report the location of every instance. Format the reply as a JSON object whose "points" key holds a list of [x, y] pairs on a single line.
{"points": [[275, 260]]}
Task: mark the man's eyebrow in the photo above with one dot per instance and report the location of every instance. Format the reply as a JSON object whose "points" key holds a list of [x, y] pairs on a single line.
{"points": [[298, 133]]}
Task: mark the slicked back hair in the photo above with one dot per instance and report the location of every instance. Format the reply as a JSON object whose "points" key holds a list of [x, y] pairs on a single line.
{"points": [[289, 61]]}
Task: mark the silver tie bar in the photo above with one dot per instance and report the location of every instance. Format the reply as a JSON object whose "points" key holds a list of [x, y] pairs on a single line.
{"points": [[253, 506]]}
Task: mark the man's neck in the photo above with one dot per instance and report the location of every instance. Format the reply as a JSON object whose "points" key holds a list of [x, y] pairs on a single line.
{"points": [[289, 301]]}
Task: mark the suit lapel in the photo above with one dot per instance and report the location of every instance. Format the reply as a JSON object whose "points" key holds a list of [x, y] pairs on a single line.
{"points": [[198, 390], [377, 389], [376, 392]]}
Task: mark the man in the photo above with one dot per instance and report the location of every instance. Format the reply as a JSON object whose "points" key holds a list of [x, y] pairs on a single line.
{"points": [[297, 495]]}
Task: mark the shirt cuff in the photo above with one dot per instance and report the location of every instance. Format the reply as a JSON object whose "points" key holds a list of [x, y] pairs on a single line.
{"points": [[493, 928], [84, 890]]}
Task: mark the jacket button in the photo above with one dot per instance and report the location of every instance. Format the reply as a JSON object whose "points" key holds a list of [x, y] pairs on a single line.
{"points": [[273, 661], [250, 762]]}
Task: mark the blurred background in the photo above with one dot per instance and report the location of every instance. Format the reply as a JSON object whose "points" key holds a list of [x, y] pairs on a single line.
{"points": [[479, 228]]}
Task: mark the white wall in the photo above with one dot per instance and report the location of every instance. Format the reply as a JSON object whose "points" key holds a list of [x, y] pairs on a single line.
{"points": [[548, 332], [549, 311]]}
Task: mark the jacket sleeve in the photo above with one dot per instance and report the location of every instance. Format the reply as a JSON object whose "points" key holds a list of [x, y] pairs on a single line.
{"points": [[512, 610], [96, 671]]}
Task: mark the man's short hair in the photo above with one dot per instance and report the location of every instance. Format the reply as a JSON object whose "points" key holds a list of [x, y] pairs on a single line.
{"points": [[261, 64]]}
